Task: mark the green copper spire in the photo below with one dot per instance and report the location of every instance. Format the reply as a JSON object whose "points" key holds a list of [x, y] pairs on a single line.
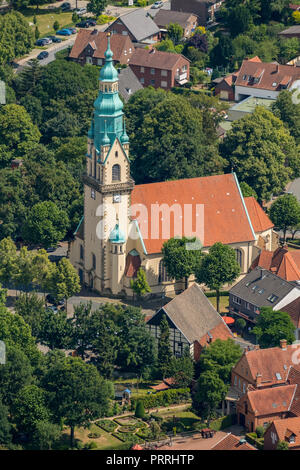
{"points": [[108, 113], [124, 137]]}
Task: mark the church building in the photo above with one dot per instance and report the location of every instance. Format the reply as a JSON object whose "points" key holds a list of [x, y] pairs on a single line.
{"points": [[124, 226]]}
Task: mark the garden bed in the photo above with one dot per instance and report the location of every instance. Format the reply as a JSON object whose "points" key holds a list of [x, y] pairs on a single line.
{"points": [[107, 424]]}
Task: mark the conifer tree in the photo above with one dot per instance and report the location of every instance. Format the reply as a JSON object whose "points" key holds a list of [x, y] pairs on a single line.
{"points": [[164, 348]]}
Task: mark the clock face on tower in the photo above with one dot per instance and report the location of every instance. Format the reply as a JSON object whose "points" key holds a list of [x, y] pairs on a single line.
{"points": [[117, 198]]}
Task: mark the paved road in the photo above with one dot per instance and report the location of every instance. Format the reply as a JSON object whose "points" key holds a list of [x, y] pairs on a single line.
{"points": [[294, 188]]}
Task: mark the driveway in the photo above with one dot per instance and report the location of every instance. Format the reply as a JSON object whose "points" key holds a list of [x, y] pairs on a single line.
{"points": [[294, 188], [196, 442]]}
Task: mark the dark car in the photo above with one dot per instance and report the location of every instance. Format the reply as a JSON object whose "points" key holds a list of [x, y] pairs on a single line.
{"points": [[66, 6], [91, 22], [73, 30], [42, 55], [41, 42], [54, 39]]}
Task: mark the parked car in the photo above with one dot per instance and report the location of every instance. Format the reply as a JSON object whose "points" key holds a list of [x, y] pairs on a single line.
{"points": [[64, 32], [73, 30], [66, 6], [48, 40], [41, 42], [80, 11], [86, 23], [157, 5], [53, 309], [55, 39], [43, 55]]}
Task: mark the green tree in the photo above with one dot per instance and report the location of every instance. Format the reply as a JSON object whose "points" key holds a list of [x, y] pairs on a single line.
{"points": [[64, 281], [30, 407], [55, 329], [240, 324], [16, 36], [5, 426], [211, 390], [8, 259], [56, 26], [82, 333], [289, 112], [175, 32], [74, 382], [140, 285], [220, 357], [164, 347], [33, 107], [181, 256], [31, 309], [239, 19], [139, 410], [97, 6], [37, 33], [217, 268], [46, 224], [285, 213], [14, 374], [272, 326], [182, 369], [282, 445], [247, 191], [29, 77], [261, 152], [17, 133], [46, 434]]}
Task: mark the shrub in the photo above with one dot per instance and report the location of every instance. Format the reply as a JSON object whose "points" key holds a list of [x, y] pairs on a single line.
{"points": [[222, 423], [94, 435], [91, 445], [128, 437], [260, 431], [167, 397], [140, 410]]}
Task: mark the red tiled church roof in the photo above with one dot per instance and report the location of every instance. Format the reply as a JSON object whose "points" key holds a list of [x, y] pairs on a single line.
{"points": [[225, 214], [260, 220]]}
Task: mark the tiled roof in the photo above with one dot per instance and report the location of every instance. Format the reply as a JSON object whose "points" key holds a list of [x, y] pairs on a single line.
{"points": [[286, 427], [271, 400], [267, 363], [193, 314], [282, 262], [139, 23], [98, 41], [260, 220], [221, 331], [165, 17], [294, 378], [225, 215], [293, 309], [128, 83], [155, 59], [231, 442], [292, 30], [271, 74]]}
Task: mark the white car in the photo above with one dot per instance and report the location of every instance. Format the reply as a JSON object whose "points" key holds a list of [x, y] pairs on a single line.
{"points": [[157, 5], [80, 11]]}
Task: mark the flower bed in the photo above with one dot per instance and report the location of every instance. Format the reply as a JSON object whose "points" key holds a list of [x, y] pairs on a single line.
{"points": [[107, 425], [125, 429], [128, 437]]}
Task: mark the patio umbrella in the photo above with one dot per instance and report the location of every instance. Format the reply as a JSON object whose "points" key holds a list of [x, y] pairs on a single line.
{"points": [[228, 320]]}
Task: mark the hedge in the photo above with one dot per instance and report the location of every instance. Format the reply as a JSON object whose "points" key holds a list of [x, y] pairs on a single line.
{"points": [[252, 438], [107, 425], [167, 397], [222, 423], [223, 293], [128, 437]]}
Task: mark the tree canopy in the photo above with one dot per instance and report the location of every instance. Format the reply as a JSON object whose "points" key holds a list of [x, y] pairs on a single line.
{"points": [[272, 326]]}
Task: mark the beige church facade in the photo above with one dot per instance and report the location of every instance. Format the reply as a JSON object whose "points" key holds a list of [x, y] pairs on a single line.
{"points": [[124, 226]]}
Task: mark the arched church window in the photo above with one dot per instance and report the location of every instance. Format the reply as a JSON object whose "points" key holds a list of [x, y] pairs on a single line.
{"points": [[94, 261], [162, 273], [116, 173], [239, 256]]}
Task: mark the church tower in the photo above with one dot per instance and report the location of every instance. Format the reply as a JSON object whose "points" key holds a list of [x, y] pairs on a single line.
{"points": [[107, 189]]}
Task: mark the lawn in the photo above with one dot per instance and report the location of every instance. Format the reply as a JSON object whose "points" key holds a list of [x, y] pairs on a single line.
{"points": [[138, 390], [45, 19], [224, 302], [105, 442]]}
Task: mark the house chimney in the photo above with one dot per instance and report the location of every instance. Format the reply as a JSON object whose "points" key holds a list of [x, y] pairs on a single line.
{"points": [[283, 344], [258, 379]]}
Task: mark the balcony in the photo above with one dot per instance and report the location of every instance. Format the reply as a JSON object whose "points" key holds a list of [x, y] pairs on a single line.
{"points": [[181, 78]]}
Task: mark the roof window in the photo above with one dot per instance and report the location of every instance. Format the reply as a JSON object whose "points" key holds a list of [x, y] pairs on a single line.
{"points": [[272, 298]]}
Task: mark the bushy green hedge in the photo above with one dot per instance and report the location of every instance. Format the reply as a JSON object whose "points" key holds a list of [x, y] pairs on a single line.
{"points": [[223, 293], [128, 437], [167, 397], [107, 425], [252, 438], [222, 423]]}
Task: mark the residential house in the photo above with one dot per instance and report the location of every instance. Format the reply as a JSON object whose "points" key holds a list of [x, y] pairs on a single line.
{"points": [[188, 21], [90, 47], [265, 80], [287, 430], [193, 322], [261, 406], [291, 32], [205, 9], [260, 288], [282, 262], [293, 309], [232, 442], [138, 25], [128, 83], [160, 69], [258, 79]]}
